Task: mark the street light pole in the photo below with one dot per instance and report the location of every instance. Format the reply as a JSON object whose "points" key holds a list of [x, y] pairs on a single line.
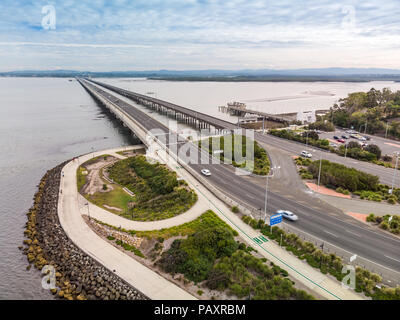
{"points": [[387, 127], [266, 192], [319, 172], [395, 171], [345, 152]]}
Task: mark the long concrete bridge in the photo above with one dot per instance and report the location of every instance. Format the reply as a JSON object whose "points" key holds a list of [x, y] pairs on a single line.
{"points": [[337, 233], [199, 119]]}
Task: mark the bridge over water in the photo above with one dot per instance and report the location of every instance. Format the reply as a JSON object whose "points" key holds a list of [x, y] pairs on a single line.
{"points": [[338, 234]]}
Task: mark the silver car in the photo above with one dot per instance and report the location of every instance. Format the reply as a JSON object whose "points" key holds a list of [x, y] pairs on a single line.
{"points": [[288, 215], [206, 172]]}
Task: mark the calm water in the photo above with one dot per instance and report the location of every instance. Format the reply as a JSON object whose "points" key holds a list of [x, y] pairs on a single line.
{"points": [[46, 121], [42, 123]]}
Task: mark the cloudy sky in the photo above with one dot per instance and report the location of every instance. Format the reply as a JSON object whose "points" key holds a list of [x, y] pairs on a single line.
{"points": [[108, 35]]}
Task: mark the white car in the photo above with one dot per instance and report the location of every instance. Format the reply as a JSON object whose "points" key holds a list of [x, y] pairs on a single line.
{"points": [[288, 215], [306, 154], [206, 172]]}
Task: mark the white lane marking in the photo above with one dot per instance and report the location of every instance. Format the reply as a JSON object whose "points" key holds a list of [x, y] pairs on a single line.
{"points": [[250, 196], [356, 234], [332, 234], [392, 258]]}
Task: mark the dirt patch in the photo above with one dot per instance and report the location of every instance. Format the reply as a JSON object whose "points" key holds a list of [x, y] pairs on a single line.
{"points": [[95, 180]]}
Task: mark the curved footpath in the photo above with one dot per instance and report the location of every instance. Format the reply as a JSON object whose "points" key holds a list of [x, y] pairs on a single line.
{"points": [[147, 281]]}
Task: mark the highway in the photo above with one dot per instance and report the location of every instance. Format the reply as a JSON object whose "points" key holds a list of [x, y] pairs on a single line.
{"points": [[350, 235]]}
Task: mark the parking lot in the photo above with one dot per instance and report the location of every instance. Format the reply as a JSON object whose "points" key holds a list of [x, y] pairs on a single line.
{"points": [[387, 146]]}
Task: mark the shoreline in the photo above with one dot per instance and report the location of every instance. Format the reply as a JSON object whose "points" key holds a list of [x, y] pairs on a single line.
{"points": [[78, 276]]}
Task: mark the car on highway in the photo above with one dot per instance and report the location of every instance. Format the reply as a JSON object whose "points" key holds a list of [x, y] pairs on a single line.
{"points": [[341, 140], [206, 172], [288, 215], [306, 154]]}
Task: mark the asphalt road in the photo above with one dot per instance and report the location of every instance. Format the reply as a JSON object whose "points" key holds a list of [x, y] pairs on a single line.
{"points": [[349, 235]]}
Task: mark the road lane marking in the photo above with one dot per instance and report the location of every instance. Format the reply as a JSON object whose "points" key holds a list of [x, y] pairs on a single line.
{"points": [[332, 234], [356, 234], [392, 258]]}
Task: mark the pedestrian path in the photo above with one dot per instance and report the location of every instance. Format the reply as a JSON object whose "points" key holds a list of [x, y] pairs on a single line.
{"points": [[139, 276]]}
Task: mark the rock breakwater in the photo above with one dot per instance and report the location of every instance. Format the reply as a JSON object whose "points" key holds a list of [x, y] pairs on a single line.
{"points": [[77, 276]]}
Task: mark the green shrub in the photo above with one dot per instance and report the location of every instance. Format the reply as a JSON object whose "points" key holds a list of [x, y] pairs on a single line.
{"points": [[235, 209]]}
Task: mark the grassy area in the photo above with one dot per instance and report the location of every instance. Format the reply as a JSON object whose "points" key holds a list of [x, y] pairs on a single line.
{"points": [[205, 221], [117, 198], [327, 263], [261, 164], [157, 192], [210, 255], [80, 178]]}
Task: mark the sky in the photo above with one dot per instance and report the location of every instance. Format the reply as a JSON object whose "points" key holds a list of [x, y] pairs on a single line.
{"points": [[99, 35]]}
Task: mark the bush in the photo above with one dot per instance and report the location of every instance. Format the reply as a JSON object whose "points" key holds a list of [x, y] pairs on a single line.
{"points": [[338, 175], [371, 218], [235, 209]]}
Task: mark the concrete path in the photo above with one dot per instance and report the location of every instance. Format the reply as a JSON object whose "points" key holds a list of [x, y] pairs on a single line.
{"points": [[142, 278]]}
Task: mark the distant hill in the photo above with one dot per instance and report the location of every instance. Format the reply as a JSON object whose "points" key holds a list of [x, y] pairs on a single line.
{"points": [[321, 74]]}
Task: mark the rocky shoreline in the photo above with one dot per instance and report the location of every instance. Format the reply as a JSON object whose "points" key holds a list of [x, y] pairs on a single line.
{"points": [[78, 276]]}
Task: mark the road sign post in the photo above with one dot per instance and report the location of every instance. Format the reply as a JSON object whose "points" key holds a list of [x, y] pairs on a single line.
{"points": [[275, 219]]}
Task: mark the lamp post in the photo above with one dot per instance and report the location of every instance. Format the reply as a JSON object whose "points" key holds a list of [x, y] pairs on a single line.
{"points": [[307, 139], [395, 171], [387, 127], [345, 152], [87, 204], [266, 192], [319, 172]]}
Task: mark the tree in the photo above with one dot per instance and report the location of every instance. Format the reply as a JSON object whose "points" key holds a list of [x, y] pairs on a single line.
{"points": [[373, 148]]}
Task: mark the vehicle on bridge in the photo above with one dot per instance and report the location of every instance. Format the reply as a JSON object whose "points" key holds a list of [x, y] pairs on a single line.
{"points": [[288, 215], [206, 172]]}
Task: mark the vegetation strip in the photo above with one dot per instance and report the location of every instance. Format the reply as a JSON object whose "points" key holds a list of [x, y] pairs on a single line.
{"points": [[209, 256], [235, 145], [347, 180], [270, 253], [366, 281]]}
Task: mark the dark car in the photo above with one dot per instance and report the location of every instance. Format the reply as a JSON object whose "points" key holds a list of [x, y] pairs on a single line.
{"points": [[336, 137], [345, 137]]}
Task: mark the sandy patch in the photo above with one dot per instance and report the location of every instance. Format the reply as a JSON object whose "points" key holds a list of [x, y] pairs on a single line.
{"points": [[359, 216], [326, 191]]}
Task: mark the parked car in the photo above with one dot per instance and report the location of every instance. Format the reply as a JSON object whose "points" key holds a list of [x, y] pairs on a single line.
{"points": [[345, 137], [331, 144], [363, 139], [288, 215], [341, 140], [306, 154], [206, 172], [336, 137]]}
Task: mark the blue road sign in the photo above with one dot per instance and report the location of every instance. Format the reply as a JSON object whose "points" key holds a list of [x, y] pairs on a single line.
{"points": [[275, 219]]}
